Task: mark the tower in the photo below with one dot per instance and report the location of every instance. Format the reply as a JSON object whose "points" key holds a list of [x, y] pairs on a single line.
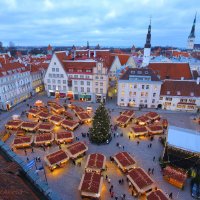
{"points": [[49, 50], [147, 47], [191, 37]]}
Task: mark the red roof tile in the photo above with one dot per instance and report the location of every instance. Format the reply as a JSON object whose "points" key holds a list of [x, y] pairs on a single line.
{"points": [[157, 195], [91, 182], [139, 129], [14, 123], [84, 116], [64, 135], [56, 118], [95, 160], [43, 137], [171, 70], [152, 115], [29, 124], [57, 157], [125, 159], [22, 139], [45, 126], [76, 148]]}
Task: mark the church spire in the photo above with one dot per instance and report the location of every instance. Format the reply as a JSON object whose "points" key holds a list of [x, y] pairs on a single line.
{"points": [[192, 33], [148, 38]]}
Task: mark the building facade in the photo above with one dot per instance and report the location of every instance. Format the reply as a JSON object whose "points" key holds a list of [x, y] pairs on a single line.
{"points": [[78, 79], [180, 95], [15, 81], [139, 88]]}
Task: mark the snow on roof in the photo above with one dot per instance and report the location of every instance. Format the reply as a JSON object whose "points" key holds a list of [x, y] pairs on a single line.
{"points": [[184, 139]]}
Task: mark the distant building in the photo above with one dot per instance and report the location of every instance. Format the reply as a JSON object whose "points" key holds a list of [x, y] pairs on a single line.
{"points": [[182, 148], [16, 84], [79, 79], [147, 48], [49, 50], [139, 88], [191, 37], [181, 95]]}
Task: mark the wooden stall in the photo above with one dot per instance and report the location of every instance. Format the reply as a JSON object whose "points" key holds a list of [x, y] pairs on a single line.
{"points": [[58, 109], [124, 161], [29, 126], [138, 130], [43, 139], [91, 185], [84, 117], [56, 119], [13, 124], [154, 129], [22, 141], [33, 112], [153, 116], [45, 127], [69, 124], [142, 120], [44, 115], [157, 195], [64, 137], [122, 120], [95, 163]]}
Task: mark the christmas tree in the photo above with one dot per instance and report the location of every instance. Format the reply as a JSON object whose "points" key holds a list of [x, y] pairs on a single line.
{"points": [[100, 131]]}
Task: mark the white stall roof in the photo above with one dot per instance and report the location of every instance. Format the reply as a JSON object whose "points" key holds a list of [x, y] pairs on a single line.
{"points": [[184, 139]]}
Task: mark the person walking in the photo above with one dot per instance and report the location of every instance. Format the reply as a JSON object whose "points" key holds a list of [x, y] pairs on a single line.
{"points": [[138, 142], [27, 159], [150, 145], [25, 152], [123, 147], [32, 150], [129, 137], [109, 180], [152, 171], [154, 159], [170, 195]]}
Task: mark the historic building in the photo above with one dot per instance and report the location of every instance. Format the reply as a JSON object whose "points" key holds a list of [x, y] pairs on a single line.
{"points": [[147, 48], [181, 95], [139, 88], [15, 81], [79, 79], [191, 37]]}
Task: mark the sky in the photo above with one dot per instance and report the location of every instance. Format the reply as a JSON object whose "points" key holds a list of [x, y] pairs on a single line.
{"points": [[117, 23]]}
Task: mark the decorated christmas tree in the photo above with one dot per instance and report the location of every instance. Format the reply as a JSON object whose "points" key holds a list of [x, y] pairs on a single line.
{"points": [[100, 131]]}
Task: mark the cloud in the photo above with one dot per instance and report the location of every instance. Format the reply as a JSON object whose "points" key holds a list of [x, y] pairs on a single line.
{"points": [[107, 22]]}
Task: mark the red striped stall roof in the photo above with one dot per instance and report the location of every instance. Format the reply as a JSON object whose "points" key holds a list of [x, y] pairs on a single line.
{"points": [[139, 129], [29, 124], [128, 113], [77, 148], [83, 116], [57, 156], [22, 139], [56, 118], [152, 115], [122, 119], [125, 159], [157, 195], [44, 115], [33, 111], [155, 128], [140, 178], [143, 119], [78, 109], [43, 137], [96, 161], [45, 126], [64, 135], [14, 123], [90, 182]]}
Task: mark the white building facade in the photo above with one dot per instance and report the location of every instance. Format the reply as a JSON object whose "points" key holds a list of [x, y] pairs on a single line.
{"points": [[16, 86], [139, 88]]}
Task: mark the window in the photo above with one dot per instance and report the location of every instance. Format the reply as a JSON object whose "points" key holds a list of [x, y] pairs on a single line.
{"points": [[96, 83], [161, 98], [82, 82], [130, 94], [54, 63], [154, 94], [88, 83], [168, 99], [101, 77], [122, 99], [101, 90], [96, 90], [81, 76], [134, 93], [192, 94], [53, 69], [153, 101], [54, 75], [57, 69], [82, 89], [54, 87], [101, 83], [53, 81], [59, 88], [59, 81], [76, 89], [61, 76], [75, 76], [168, 92], [70, 70], [142, 94], [135, 86], [64, 81], [64, 88], [146, 94], [57, 75], [145, 101], [79, 70], [142, 86], [50, 75], [48, 81], [178, 93], [75, 82], [131, 86], [97, 77], [88, 89], [49, 87], [87, 76], [122, 93], [123, 85], [147, 86]]}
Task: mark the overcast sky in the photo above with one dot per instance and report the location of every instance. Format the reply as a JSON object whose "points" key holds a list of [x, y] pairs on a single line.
{"points": [[107, 22]]}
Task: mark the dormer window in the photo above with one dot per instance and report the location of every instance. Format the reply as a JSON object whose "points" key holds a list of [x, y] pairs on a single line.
{"points": [[70, 70], [192, 94], [178, 93], [168, 92]]}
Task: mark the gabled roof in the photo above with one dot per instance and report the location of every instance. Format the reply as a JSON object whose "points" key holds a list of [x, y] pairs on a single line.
{"points": [[180, 88], [139, 72], [171, 70], [123, 58]]}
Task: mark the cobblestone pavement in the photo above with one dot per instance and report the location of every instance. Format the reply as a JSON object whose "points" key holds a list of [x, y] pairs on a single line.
{"points": [[65, 181]]}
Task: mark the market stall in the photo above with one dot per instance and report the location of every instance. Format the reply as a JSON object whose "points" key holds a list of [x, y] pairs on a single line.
{"points": [[39, 103], [154, 129], [138, 130], [76, 150], [33, 112], [122, 120], [58, 109], [56, 119], [124, 161], [141, 181], [142, 120], [84, 117], [44, 115], [78, 109], [69, 124], [91, 185], [175, 176], [68, 115], [43, 139], [129, 113], [153, 116], [56, 159], [95, 163], [29, 126], [64, 137], [157, 195], [13, 124], [45, 127], [22, 141]]}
